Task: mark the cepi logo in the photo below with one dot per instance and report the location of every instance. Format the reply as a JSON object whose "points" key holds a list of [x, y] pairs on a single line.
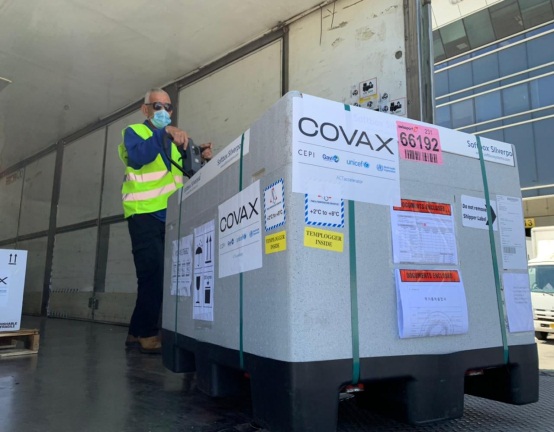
{"points": [[334, 158]]}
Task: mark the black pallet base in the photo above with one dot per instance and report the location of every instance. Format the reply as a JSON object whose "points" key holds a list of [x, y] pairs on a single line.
{"points": [[303, 397]]}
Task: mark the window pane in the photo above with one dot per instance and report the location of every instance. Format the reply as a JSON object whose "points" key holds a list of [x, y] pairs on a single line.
{"points": [[120, 269], [81, 177], [208, 108], [479, 29], [515, 99], [442, 116], [37, 195], [488, 107], [506, 18], [522, 137], [460, 77], [454, 38], [543, 113], [438, 49], [114, 169], [490, 125], [535, 12], [72, 279], [34, 276], [545, 153], [10, 197], [441, 83], [540, 50], [513, 59], [462, 114], [542, 92], [485, 69], [495, 135], [470, 130], [73, 263]]}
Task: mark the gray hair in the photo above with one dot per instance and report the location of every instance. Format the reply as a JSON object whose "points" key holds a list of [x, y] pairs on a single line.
{"points": [[149, 92]]}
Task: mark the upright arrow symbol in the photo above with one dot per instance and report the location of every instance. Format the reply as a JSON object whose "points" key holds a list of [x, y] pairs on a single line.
{"points": [[493, 216]]}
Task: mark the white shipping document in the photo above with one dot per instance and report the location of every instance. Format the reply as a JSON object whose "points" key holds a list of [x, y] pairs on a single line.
{"points": [[423, 233], [240, 232], [181, 268], [430, 303], [356, 150], [203, 279], [512, 233], [474, 213], [518, 302]]}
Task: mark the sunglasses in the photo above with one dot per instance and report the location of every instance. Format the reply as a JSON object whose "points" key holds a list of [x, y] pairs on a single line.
{"points": [[158, 106]]}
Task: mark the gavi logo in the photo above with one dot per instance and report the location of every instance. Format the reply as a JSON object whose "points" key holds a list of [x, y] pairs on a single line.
{"points": [[333, 158]]}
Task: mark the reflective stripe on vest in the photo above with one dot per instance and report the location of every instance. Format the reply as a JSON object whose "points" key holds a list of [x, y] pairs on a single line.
{"points": [[145, 177], [146, 190], [151, 177], [154, 193]]}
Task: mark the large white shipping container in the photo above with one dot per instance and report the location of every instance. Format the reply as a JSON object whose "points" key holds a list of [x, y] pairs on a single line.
{"points": [[306, 254], [13, 266]]}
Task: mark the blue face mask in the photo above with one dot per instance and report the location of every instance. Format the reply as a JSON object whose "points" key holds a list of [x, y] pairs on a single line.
{"points": [[161, 119]]}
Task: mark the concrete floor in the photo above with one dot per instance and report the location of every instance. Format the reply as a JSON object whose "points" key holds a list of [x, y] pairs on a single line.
{"points": [[82, 380]]}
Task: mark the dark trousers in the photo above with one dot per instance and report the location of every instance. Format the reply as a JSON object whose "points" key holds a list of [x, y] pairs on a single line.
{"points": [[147, 239]]}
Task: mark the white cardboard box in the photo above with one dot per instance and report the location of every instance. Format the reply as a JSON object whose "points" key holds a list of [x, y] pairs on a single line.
{"points": [[13, 264]]}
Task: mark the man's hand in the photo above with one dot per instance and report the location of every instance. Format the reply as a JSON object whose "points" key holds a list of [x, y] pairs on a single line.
{"points": [[206, 150], [180, 137]]}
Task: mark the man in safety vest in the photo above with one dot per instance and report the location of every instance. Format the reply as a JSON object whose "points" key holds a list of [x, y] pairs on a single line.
{"points": [[150, 179]]}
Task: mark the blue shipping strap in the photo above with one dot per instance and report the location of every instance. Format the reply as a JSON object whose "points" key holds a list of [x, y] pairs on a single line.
{"points": [[493, 254]]}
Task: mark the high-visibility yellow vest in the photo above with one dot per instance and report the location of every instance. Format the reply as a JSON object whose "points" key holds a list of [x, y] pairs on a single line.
{"points": [[146, 190]]}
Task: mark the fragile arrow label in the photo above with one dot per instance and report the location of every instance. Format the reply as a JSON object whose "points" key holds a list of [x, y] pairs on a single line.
{"points": [[474, 213], [493, 215]]}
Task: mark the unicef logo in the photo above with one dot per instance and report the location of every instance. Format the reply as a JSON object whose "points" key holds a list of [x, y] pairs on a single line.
{"points": [[334, 158], [366, 164], [379, 167]]}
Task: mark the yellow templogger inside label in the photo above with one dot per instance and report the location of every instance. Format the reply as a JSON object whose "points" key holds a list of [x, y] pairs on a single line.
{"points": [[323, 239], [276, 242]]}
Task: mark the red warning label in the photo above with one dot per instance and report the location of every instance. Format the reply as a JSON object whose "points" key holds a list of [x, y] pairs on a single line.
{"points": [[429, 276], [424, 207]]}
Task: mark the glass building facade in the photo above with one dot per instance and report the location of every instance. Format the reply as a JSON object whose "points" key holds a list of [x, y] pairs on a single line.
{"points": [[494, 77]]}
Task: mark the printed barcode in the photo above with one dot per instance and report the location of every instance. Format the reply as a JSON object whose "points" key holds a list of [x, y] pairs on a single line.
{"points": [[425, 157], [509, 249]]}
